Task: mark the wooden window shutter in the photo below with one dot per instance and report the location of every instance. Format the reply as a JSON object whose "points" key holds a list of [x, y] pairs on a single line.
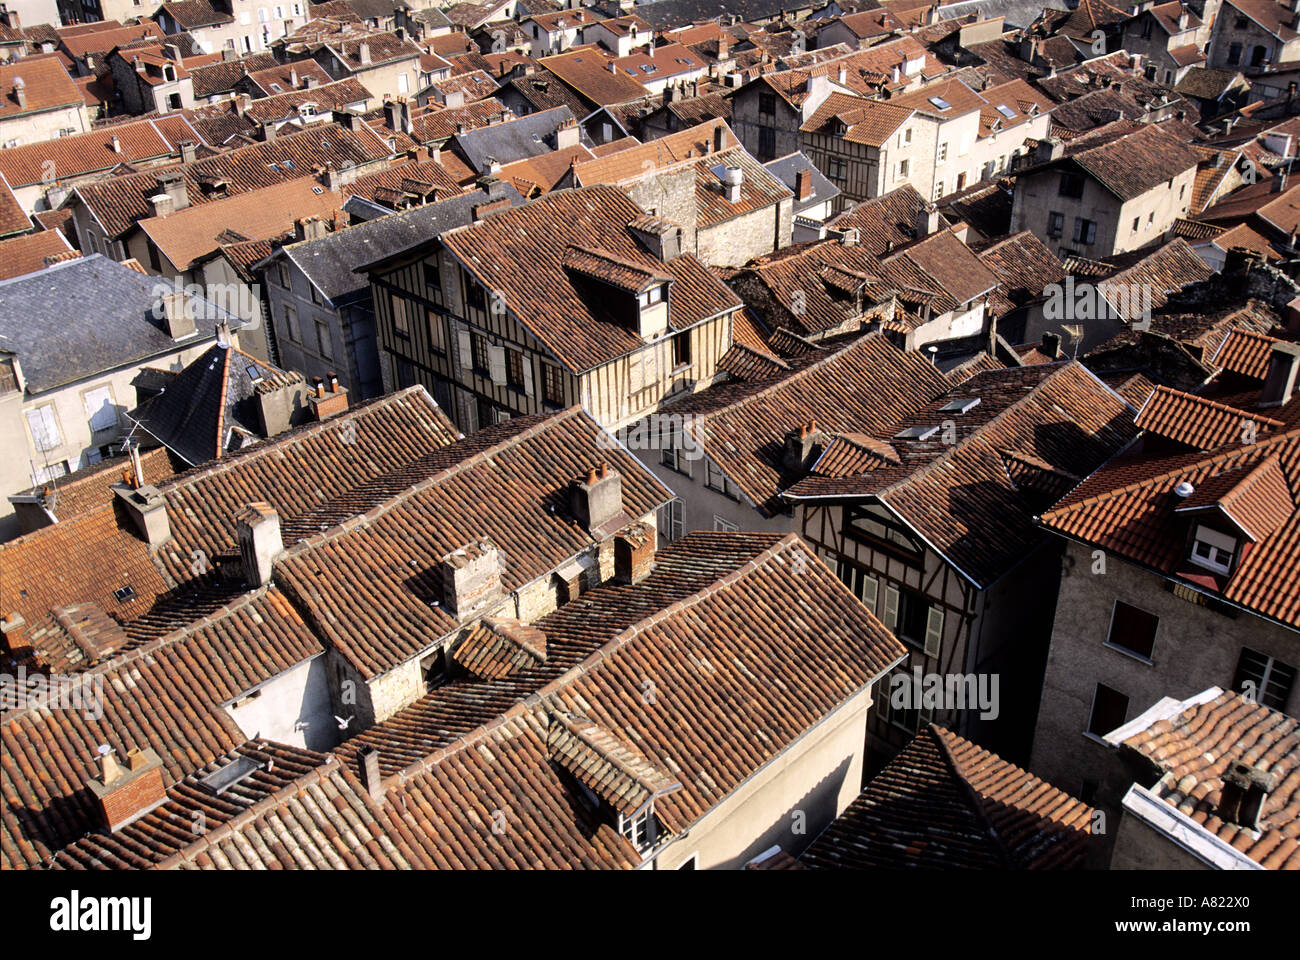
{"points": [[870, 591], [466, 349], [528, 374], [497, 363], [933, 632], [891, 607]]}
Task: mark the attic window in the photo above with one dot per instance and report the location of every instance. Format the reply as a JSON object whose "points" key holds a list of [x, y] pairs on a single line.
{"points": [[642, 830], [651, 296], [940, 103], [916, 433], [123, 594], [1006, 111], [1213, 550], [275, 87], [960, 406], [318, 190], [648, 68], [219, 781]]}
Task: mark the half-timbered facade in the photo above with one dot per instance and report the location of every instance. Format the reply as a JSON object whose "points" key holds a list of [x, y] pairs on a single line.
{"points": [[579, 297], [931, 523]]}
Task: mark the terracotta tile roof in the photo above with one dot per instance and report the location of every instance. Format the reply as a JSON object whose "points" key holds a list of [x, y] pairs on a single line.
{"points": [[982, 362], [544, 90], [190, 14], [84, 153], [542, 173], [437, 126], [405, 180], [88, 489], [728, 705], [27, 254], [1129, 162], [588, 72], [119, 203], [221, 76], [1194, 751], [636, 162], [496, 647], [1024, 266], [945, 266], [1165, 270], [1245, 352], [508, 253], [473, 84], [1256, 499], [387, 575], [47, 84], [1197, 421], [1194, 229], [887, 222], [966, 499], [1276, 18], [1128, 508], [869, 122], [166, 695], [742, 426], [944, 804], [194, 232], [110, 36]]}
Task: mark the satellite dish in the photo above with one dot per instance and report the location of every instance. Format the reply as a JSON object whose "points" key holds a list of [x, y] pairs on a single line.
{"points": [[1184, 490]]}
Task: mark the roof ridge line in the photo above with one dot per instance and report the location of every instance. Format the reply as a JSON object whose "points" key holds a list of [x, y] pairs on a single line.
{"points": [[540, 696], [271, 444], [229, 827], [1217, 405], [384, 506], [972, 796], [1211, 458]]}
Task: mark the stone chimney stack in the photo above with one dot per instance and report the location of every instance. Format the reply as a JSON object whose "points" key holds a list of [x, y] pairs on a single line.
{"points": [[927, 220], [127, 793], [189, 151], [178, 315], [309, 228], [471, 579], [147, 507], [257, 528], [20, 93], [363, 53], [173, 184], [370, 776], [566, 135], [598, 498]]}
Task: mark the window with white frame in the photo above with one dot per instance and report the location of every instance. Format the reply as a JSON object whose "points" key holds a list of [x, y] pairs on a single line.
{"points": [[641, 830], [1213, 550], [723, 525], [651, 296], [1264, 679]]}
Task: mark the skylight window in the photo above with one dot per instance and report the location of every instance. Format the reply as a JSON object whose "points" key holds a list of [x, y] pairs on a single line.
{"points": [[916, 433], [221, 780], [1006, 111], [940, 103], [960, 406], [124, 594], [649, 67]]}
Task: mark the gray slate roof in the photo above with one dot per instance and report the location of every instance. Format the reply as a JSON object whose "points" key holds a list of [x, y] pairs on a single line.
{"points": [[333, 263], [84, 317], [529, 136], [786, 168]]}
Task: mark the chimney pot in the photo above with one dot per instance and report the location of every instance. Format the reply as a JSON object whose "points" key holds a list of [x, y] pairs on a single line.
{"points": [[801, 447], [125, 796]]}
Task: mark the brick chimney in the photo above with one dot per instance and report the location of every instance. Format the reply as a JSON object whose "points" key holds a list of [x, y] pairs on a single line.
{"points": [[471, 579], [634, 553], [1280, 381], [257, 528], [1245, 790], [802, 447], [328, 399], [127, 793], [803, 184], [598, 498]]}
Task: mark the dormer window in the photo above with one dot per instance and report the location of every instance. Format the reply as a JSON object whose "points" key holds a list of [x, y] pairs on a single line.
{"points": [[652, 296], [642, 829], [1213, 550]]}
